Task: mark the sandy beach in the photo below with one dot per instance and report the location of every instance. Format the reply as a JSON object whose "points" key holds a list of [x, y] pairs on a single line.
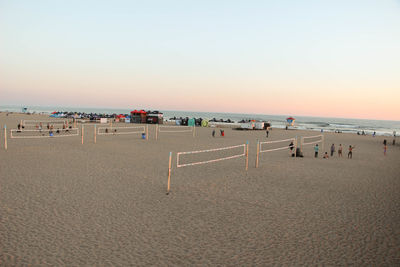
{"points": [[105, 204]]}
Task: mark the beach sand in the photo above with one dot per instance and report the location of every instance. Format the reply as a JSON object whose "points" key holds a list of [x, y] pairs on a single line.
{"points": [[105, 204]]}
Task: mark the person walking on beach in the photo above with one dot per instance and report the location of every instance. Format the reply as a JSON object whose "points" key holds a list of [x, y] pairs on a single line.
{"points": [[340, 151], [384, 149], [350, 154], [316, 148], [332, 149]]}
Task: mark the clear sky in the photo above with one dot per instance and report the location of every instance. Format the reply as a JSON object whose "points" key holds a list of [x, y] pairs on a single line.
{"points": [[318, 58]]}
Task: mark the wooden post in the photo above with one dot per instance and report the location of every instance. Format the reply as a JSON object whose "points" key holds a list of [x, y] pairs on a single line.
{"points": [[295, 147], [258, 152], [323, 144], [247, 155], [169, 173], [157, 132], [5, 137], [82, 133], [95, 133], [194, 130], [301, 143], [147, 132]]}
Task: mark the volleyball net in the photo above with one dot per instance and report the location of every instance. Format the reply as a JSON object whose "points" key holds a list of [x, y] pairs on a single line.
{"points": [[277, 145], [121, 130], [236, 152], [174, 129], [192, 158], [22, 133], [43, 123], [311, 140]]}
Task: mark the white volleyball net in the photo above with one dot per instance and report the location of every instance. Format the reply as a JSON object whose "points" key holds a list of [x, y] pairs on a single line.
{"points": [[174, 129], [277, 145], [289, 145], [121, 130], [210, 155], [17, 133], [43, 123], [312, 140]]}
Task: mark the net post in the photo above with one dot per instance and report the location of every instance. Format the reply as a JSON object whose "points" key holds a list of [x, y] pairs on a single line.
{"points": [[194, 131], [295, 147], [95, 134], [169, 173], [5, 136], [157, 131], [258, 152], [323, 143], [301, 143], [82, 133], [247, 155], [147, 132]]}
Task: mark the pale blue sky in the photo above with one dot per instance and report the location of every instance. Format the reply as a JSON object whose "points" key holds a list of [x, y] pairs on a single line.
{"points": [[205, 55]]}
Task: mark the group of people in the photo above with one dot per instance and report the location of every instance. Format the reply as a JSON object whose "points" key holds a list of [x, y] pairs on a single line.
{"points": [[222, 132], [333, 150]]}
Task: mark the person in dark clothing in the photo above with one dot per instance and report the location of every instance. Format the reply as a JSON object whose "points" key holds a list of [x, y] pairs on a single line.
{"points": [[332, 149]]}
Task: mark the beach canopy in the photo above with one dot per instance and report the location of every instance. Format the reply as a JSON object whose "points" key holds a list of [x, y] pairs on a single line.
{"points": [[139, 111]]}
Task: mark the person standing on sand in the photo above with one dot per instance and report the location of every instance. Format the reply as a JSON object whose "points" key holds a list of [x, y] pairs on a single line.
{"points": [[384, 149], [332, 149], [316, 148], [350, 154], [267, 132], [213, 133], [340, 151]]}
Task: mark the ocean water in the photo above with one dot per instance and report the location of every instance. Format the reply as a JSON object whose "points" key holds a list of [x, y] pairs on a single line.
{"points": [[381, 127]]}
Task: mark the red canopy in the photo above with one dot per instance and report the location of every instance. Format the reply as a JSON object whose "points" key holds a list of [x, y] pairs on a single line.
{"points": [[290, 118], [139, 112]]}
